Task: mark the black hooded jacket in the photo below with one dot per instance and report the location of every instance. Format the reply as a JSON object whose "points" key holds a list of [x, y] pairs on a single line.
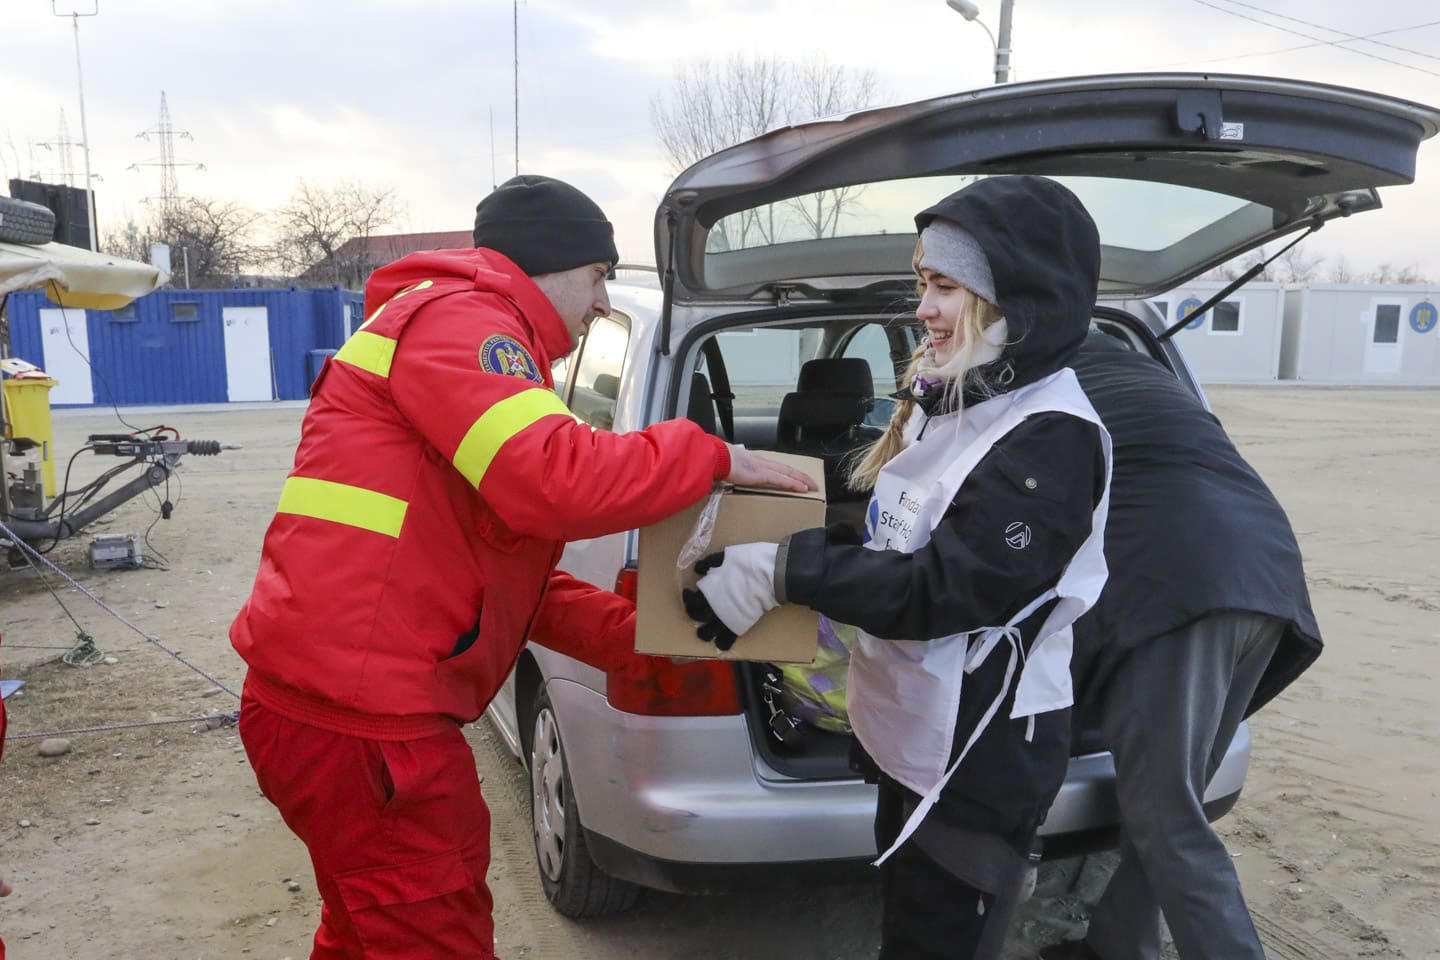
{"points": [[1193, 529], [1049, 472], [1044, 255]]}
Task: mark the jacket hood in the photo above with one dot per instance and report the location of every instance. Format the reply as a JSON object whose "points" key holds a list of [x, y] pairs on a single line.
{"points": [[480, 269], [1044, 254]]}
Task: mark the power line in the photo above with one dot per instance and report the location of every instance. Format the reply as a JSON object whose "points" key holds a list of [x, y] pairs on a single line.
{"points": [[1335, 43], [1347, 35], [1290, 49], [1301, 46]]}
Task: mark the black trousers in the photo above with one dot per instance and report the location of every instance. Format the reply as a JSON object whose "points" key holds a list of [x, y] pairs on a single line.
{"points": [[928, 912], [951, 890]]}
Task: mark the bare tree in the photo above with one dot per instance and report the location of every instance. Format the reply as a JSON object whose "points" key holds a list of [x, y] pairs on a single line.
{"points": [[1340, 271], [1411, 273], [211, 241], [325, 231], [1385, 273], [1298, 266], [713, 105], [1256, 258]]}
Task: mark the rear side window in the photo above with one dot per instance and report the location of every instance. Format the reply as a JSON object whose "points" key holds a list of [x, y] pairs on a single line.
{"points": [[596, 372], [870, 344]]}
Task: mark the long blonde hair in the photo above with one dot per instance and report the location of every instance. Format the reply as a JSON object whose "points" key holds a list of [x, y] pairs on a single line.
{"points": [[976, 315]]}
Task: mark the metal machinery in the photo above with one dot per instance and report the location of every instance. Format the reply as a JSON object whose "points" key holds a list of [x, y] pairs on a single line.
{"points": [[23, 506]]}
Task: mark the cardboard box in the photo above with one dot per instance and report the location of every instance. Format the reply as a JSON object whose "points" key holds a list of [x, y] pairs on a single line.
{"points": [[787, 634]]}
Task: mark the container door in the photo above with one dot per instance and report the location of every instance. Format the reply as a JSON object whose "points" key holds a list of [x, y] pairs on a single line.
{"points": [[1383, 337], [65, 339], [247, 353]]}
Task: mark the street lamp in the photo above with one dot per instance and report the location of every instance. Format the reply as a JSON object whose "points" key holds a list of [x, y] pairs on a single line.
{"points": [[971, 12]]}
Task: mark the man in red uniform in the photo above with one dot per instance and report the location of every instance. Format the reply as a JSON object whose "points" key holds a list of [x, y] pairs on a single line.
{"points": [[413, 552]]}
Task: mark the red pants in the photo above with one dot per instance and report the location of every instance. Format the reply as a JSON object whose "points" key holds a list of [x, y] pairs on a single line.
{"points": [[397, 832]]}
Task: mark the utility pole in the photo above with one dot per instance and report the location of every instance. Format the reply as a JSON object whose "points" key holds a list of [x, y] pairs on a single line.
{"points": [[75, 16], [515, 8], [1002, 46]]}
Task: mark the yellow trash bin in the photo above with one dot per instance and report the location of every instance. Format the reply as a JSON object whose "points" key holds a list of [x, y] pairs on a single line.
{"points": [[27, 408]]}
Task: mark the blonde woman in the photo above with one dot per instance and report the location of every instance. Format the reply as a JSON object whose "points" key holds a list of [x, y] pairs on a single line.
{"points": [[984, 541]]}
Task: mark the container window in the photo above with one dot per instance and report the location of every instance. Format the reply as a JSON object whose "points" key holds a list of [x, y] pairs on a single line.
{"points": [[1225, 317], [1387, 323], [125, 314], [184, 312]]}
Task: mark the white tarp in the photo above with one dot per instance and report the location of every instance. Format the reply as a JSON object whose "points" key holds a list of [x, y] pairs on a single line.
{"points": [[74, 277]]}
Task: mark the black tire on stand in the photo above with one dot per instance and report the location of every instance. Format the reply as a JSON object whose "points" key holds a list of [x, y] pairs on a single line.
{"points": [[25, 222], [573, 883]]}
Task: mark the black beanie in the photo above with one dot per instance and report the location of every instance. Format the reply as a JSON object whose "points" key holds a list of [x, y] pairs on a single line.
{"points": [[544, 225]]}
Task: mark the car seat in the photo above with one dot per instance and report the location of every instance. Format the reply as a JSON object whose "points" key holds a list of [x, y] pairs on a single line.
{"points": [[824, 418]]}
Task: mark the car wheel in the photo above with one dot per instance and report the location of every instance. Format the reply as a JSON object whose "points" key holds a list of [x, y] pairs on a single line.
{"points": [[25, 222], [572, 881]]}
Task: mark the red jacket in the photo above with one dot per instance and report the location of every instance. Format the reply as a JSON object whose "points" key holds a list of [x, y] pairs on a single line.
{"points": [[436, 480]]}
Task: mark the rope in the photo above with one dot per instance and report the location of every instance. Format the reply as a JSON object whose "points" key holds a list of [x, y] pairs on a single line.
{"points": [[84, 653], [30, 552], [226, 720]]}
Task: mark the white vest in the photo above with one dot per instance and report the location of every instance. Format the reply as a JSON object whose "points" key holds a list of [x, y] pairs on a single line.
{"points": [[904, 695]]}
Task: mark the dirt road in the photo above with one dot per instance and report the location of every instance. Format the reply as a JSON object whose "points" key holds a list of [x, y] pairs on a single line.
{"points": [[154, 843]]}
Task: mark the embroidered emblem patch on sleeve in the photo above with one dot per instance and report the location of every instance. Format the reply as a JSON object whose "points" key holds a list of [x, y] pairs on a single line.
{"points": [[505, 356]]}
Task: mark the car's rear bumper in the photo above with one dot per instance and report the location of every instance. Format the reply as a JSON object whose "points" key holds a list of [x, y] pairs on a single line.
{"points": [[683, 803], [690, 790]]}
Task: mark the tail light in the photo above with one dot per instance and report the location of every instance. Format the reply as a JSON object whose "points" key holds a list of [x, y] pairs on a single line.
{"points": [[656, 687]]}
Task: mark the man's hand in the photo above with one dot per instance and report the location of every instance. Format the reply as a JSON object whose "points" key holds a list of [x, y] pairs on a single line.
{"points": [[736, 589], [752, 470]]}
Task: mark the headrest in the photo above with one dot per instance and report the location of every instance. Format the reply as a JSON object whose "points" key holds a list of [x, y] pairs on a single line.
{"points": [[836, 375]]}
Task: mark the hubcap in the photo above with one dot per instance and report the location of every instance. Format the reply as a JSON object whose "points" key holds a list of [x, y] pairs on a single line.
{"points": [[547, 795]]}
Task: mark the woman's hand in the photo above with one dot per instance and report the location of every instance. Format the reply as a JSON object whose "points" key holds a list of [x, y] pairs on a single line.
{"points": [[736, 590]]}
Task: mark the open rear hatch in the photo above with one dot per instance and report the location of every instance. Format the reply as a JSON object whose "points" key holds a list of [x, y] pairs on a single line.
{"points": [[1180, 171]]}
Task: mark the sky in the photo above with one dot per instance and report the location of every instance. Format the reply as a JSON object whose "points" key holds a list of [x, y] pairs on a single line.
{"points": [[418, 96]]}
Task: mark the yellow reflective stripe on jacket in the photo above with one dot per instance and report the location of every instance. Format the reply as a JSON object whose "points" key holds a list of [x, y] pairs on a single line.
{"points": [[501, 422], [422, 285], [368, 351], [342, 503]]}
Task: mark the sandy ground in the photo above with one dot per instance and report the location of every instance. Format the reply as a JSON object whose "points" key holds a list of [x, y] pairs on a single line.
{"points": [[153, 842]]}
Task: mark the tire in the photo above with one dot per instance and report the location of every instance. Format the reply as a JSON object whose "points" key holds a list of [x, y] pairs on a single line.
{"points": [[25, 222], [573, 883]]}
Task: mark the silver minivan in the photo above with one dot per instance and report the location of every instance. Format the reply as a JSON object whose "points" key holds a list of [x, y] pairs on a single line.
{"points": [[781, 311]]}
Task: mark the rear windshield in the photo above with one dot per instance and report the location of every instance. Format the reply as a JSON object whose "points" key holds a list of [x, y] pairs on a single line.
{"points": [[1138, 215]]}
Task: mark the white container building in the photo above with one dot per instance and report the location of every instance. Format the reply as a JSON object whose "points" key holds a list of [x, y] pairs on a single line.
{"points": [[1236, 341], [1362, 334]]}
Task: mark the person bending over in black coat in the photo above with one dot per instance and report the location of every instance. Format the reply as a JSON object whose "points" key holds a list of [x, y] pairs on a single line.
{"points": [[1204, 619]]}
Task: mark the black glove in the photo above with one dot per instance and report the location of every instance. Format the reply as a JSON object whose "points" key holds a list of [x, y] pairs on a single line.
{"points": [[711, 630], [736, 593]]}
